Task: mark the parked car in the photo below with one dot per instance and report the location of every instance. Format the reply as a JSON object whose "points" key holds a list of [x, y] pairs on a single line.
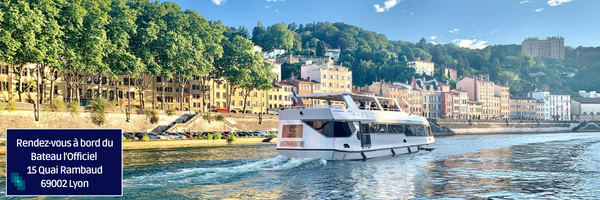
{"points": [[140, 135], [154, 136], [224, 135], [176, 136], [195, 135], [255, 133], [187, 135], [129, 136], [272, 132], [166, 136], [243, 134], [261, 133], [204, 134]]}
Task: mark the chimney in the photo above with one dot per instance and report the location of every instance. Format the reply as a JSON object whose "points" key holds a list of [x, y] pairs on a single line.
{"points": [[309, 79]]}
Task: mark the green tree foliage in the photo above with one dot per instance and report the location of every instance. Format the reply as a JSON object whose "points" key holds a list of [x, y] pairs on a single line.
{"points": [[276, 36]]}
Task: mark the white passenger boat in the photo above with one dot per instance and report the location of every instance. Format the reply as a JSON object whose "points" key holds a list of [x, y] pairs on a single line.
{"points": [[350, 127]]}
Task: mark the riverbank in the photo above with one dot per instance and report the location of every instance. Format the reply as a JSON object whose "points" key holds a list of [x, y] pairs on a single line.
{"points": [[183, 143]]}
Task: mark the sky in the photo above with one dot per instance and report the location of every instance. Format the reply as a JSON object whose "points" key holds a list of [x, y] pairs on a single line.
{"points": [[467, 23]]}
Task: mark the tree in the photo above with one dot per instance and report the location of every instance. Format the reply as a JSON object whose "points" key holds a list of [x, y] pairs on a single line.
{"points": [[292, 26], [51, 47], [277, 36], [257, 32], [260, 77], [237, 62], [21, 30], [321, 48]]}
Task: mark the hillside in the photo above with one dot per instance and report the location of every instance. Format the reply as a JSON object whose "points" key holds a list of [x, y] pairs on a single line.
{"points": [[366, 54]]}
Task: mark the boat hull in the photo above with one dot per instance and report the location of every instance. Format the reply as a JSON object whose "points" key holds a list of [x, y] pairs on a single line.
{"points": [[334, 154]]}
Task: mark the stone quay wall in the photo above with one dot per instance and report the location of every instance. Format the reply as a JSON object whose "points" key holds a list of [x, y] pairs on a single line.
{"points": [[466, 127]]}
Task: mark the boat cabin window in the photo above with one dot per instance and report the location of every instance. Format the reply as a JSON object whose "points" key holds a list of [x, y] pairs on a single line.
{"points": [[382, 128], [408, 131], [333, 129], [396, 128]]}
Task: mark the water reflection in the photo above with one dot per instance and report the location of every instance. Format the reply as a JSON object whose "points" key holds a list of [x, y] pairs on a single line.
{"points": [[537, 170], [563, 166]]}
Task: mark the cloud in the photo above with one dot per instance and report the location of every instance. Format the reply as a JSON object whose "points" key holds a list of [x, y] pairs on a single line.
{"points": [[557, 2], [538, 10], [276, 10], [472, 26], [493, 31], [455, 31], [471, 44], [433, 37], [274, 0], [432, 42], [218, 2], [464, 19], [268, 6], [387, 5], [411, 13], [526, 1]]}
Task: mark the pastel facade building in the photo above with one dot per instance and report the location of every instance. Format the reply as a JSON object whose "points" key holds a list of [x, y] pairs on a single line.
{"points": [[422, 66], [333, 78]]}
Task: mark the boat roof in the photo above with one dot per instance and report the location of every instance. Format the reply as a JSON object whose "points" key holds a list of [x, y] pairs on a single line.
{"points": [[337, 96]]}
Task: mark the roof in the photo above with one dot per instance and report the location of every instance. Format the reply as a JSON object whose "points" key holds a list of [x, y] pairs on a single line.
{"points": [[420, 61], [587, 100], [337, 96], [286, 83], [528, 98], [458, 90], [475, 102]]}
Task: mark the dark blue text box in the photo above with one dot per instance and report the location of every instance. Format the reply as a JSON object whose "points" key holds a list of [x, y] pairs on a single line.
{"points": [[32, 170]]}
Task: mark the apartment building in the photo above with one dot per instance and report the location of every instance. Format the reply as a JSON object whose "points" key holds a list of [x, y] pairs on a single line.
{"points": [[333, 78], [503, 91], [556, 106], [461, 104], [431, 94], [480, 89], [422, 66], [552, 47], [523, 108]]}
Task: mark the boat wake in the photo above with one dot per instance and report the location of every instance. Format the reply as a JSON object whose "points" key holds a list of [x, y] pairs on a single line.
{"points": [[212, 175]]}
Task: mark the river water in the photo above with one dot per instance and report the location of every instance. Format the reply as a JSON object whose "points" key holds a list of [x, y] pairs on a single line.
{"points": [[528, 166]]}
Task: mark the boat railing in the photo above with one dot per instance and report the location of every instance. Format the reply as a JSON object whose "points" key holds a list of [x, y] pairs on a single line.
{"points": [[312, 107], [335, 107]]}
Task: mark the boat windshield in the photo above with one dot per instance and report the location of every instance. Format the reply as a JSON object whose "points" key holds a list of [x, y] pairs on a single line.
{"points": [[362, 102]]}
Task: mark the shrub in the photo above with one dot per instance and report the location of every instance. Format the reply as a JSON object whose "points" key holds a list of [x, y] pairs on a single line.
{"points": [[145, 138], [74, 107], [220, 118], [98, 109], [170, 111], [152, 115], [217, 136], [11, 106], [231, 139], [2, 142], [208, 117], [57, 105], [210, 136]]}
